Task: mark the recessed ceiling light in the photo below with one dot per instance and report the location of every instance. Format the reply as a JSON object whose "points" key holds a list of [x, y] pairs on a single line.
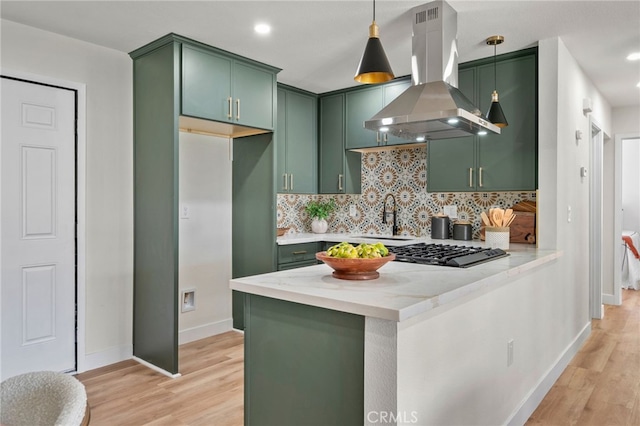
{"points": [[262, 28], [638, 85], [634, 56]]}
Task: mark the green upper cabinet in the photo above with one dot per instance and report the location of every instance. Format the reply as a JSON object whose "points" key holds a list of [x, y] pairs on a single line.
{"points": [[508, 161], [226, 89], [505, 162], [361, 105], [339, 170], [297, 145], [451, 162], [392, 91]]}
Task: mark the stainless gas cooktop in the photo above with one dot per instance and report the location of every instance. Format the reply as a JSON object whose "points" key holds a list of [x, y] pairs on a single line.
{"points": [[446, 255]]}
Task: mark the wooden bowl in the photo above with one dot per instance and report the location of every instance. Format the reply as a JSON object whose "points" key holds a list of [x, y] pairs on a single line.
{"points": [[355, 269]]}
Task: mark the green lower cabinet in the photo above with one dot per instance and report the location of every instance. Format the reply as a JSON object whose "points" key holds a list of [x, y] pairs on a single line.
{"points": [[293, 256], [504, 162], [303, 365]]}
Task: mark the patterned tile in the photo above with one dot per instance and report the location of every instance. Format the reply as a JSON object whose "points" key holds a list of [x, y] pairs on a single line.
{"points": [[403, 173]]}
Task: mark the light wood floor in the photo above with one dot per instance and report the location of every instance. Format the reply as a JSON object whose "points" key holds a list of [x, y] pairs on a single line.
{"points": [[209, 392], [601, 385]]}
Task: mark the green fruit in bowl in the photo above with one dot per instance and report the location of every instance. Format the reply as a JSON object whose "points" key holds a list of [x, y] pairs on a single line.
{"points": [[361, 251]]}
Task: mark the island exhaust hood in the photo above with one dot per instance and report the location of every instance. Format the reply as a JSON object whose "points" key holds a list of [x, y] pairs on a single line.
{"points": [[433, 107]]}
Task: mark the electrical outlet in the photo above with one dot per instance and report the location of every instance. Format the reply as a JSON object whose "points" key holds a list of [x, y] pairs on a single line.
{"points": [[352, 210], [568, 213], [451, 211], [509, 352], [184, 211]]}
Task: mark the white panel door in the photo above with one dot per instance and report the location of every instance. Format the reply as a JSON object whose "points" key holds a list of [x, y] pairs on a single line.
{"points": [[38, 228]]}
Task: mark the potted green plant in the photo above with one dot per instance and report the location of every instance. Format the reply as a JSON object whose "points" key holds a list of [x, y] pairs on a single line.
{"points": [[319, 211]]}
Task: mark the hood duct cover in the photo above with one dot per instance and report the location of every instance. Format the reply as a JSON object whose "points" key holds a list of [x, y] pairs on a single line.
{"points": [[433, 108]]}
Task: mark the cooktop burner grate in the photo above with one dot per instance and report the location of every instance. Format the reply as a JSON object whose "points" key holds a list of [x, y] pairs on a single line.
{"points": [[445, 254]]}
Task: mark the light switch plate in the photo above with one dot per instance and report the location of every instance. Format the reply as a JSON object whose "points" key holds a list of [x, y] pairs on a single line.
{"points": [[352, 210]]}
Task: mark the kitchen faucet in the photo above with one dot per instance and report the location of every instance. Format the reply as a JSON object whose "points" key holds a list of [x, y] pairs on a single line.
{"points": [[394, 212]]}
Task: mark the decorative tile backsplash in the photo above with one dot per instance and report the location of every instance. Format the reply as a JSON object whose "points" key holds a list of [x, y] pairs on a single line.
{"points": [[402, 173]]}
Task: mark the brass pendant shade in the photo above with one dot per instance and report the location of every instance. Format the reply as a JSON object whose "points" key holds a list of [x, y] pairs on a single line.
{"points": [[374, 66], [495, 114]]}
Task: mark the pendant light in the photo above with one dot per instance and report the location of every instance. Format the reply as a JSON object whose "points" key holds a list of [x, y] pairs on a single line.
{"points": [[374, 66], [495, 114]]}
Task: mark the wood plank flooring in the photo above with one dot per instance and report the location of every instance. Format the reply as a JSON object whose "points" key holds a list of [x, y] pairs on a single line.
{"points": [[601, 385], [209, 392]]}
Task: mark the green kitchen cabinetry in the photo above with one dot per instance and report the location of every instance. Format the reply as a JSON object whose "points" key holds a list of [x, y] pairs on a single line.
{"points": [[505, 162], [304, 365], [292, 256], [297, 141], [339, 169], [172, 78], [253, 221], [361, 105], [219, 87]]}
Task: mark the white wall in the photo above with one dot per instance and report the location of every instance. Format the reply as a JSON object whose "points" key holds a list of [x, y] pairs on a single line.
{"points": [[626, 120], [109, 175], [631, 184], [205, 237], [563, 86]]}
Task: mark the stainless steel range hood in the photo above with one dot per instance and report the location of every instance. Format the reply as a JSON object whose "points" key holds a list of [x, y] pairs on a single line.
{"points": [[433, 108]]}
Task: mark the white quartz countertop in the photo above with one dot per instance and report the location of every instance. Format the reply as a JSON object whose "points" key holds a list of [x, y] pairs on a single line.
{"points": [[402, 291]]}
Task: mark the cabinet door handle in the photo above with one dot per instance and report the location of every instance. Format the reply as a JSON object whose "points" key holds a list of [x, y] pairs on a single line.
{"points": [[480, 177], [230, 101], [238, 109], [286, 181], [291, 180], [386, 138], [470, 177], [299, 252], [340, 188], [377, 138]]}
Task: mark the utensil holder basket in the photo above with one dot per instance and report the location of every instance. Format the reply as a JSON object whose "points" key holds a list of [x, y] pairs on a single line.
{"points": [[497, 237]]}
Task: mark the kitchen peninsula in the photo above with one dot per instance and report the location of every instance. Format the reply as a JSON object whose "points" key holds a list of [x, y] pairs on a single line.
{"points": [[419, 345]]}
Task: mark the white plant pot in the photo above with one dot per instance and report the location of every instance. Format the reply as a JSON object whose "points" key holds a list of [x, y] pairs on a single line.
{"points": [[319, 226]]}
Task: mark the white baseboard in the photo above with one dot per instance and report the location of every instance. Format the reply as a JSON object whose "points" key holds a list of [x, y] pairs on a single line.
{"points": [[610, 299], [106, 357], [204, 331], [537, 394]]}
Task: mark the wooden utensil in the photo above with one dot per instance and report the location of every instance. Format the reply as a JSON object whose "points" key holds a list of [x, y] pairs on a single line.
{"points": [[508, 214], [485, 219], [496, 217]]}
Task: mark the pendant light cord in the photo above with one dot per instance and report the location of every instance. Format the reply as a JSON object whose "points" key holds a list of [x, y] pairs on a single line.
{"points": [[495, 79], [374, 10]]}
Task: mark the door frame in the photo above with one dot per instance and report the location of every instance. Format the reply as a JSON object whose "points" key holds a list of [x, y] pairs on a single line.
{"points": [[81, 103], [596, 147], [617, 215]]}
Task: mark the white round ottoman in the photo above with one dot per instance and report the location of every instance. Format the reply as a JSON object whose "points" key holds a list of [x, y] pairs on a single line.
{"points": [[43, 398]]}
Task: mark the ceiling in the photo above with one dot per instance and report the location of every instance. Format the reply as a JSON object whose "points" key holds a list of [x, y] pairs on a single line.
{"points": [[318, 44]]}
